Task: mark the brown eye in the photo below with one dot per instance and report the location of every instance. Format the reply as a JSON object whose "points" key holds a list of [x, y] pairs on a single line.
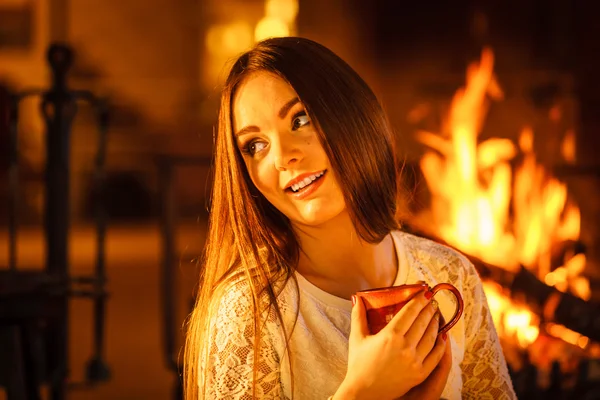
{"points": [[300, 120], [253, 147]]}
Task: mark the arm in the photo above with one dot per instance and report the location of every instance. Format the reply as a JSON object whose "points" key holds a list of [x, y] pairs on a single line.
{"points": [[484, 371], [227, 364]]}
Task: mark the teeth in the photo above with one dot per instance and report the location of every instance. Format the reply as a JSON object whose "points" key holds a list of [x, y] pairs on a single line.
{"points": [[307, 181]]}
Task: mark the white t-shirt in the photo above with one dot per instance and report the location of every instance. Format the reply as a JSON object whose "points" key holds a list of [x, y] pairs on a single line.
{"points": [[319, 340]]}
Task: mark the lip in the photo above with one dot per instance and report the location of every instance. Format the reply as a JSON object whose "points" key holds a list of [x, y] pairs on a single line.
{"points": [[300, 178], [306, 192]]}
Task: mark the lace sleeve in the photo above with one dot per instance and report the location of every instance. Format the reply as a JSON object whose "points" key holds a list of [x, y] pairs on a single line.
{"points": [[484, 370], [227, 364]]}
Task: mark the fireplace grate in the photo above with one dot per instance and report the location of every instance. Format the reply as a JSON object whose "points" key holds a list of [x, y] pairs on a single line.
{"points": [[533, 383]]}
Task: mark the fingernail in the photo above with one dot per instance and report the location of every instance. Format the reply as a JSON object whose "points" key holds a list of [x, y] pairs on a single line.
{"points": [[428, 294], [444, 336], [353, 298]]}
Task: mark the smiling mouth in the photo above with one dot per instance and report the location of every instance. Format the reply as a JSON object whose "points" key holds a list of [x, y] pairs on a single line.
{"points": [[299, 188]]}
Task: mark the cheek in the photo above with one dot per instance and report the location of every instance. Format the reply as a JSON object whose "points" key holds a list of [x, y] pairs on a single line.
{"points": [[264, 178]]}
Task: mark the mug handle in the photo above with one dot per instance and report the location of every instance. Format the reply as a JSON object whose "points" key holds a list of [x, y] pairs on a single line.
{"points": [[459, 304]]}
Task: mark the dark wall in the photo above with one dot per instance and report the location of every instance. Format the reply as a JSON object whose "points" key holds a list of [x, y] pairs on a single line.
{"points": [[548, 35], [587, 71], [455, 29]]}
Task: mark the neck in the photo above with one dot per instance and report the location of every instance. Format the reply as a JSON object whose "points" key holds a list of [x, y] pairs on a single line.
{"points": [[335, 258]]}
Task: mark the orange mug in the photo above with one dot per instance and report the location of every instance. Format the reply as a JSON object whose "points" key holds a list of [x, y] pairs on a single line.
{"points": [[383, 303]]}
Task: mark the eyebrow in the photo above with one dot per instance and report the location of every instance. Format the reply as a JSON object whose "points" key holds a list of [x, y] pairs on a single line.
{"points": [[283, 112], [287, 106]]}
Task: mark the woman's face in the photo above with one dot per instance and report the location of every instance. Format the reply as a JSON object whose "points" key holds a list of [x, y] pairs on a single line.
{"points": [[282, 152]]}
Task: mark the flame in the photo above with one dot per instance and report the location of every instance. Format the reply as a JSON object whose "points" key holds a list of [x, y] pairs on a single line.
{"points": [[515, 322], [568, 147], [568, 277], [504, 217], [569, 336], [470, 183]]}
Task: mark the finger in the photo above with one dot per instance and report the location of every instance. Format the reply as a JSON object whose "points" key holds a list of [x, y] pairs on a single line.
{"points": [[358, 322], [417, 330], [427, 342], [435, 355], [448, 353], [404, 319], [439, 377], [446, 361]]}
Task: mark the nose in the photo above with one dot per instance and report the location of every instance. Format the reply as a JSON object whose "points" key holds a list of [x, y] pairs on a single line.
{"points": [[286, 153]]}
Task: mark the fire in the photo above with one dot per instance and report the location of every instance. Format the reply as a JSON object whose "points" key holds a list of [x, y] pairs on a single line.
{"points": [[542, 215], [513, 322], [504, 217], [470, 183]]}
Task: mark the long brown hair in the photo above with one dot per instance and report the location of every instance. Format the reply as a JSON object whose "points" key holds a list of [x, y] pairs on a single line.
{"points": [[247, 237]]}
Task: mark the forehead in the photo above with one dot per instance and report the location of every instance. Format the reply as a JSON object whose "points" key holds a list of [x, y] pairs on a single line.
{"points": [[260, 96]]}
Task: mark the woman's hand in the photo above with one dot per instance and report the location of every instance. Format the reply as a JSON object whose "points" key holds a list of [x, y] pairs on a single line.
{"points": [[433, 387], [398, 358]]}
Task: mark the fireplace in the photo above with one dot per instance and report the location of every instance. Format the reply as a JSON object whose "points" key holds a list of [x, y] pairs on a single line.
{"points": [[497, 203]]}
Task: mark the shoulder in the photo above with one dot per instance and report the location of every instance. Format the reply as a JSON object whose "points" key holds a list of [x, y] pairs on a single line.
{"points": [[234, 304], [232, 297], [435, 257], [429, 250], [230, 308]]}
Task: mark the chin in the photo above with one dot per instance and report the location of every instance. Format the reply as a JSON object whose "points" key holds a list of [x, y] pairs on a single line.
{"points": [[311, 220], [317, 215]]}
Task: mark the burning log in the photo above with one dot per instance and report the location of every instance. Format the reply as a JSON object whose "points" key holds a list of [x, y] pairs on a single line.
{"points": [[550, 304], [564, 308]]}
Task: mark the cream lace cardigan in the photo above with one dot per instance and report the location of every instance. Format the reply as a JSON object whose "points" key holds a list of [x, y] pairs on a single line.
{"points": [[319, 340]]}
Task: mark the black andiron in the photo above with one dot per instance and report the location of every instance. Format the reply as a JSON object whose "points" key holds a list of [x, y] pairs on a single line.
{"points": [[34, 314]]}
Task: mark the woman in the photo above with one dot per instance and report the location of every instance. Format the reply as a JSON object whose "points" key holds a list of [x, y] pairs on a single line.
{"points": [[302, 217]]}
